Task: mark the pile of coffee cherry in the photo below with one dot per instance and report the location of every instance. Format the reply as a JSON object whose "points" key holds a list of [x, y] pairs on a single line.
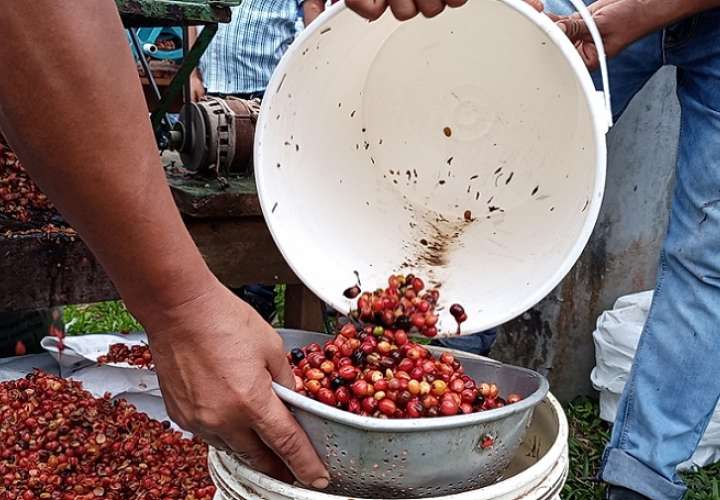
{"points": [[135, 355], [59, 442], [375, 369], [19, 195]]}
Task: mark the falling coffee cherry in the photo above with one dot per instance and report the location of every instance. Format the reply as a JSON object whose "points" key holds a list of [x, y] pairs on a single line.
{"points": [[458, 312], [352, 292], [20, 349]]}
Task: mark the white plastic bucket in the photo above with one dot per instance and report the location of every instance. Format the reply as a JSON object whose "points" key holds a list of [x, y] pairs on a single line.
{"points": [[376, 141], [538, 472]]}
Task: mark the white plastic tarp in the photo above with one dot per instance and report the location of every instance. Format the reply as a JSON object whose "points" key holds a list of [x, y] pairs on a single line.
{"points": [[616, 338]]}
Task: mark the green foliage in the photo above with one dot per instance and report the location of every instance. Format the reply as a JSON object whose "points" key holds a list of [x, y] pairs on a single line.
{"points": [[102, 317], [588, 435], [279, 321]]}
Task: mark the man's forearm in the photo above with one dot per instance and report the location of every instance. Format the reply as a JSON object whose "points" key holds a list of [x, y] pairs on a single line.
{"points": [[661, 13], [72, 108]]}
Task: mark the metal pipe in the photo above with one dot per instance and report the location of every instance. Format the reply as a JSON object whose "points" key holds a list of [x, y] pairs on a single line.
{"points": [[189, 63], [148, 74], [188, 129], [143, 62]]}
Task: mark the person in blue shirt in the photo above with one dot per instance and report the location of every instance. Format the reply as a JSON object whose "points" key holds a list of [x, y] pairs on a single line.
{"points": [[244, 53]]}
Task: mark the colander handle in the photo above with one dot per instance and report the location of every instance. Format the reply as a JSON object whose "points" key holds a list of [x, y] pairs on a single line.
{"points": [[597, 40]]}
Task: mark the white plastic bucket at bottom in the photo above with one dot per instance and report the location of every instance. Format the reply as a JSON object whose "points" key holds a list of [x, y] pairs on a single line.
{"points": [[538, 472]]}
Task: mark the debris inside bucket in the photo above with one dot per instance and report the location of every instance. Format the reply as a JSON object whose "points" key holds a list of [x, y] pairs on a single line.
{"points": [[375, 369]]}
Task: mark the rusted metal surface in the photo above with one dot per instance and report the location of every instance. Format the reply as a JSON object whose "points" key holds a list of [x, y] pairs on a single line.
{"points": [[555, 337]]}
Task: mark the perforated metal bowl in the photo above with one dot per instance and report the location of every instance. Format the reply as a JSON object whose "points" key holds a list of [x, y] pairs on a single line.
{"points": [[378, 458]]}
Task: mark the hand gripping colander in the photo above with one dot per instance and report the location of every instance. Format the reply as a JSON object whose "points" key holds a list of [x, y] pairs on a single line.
{"points": [[417, 458]]}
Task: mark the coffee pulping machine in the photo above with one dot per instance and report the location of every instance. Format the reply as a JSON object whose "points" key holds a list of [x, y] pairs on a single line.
{"points": [[213, 136]]}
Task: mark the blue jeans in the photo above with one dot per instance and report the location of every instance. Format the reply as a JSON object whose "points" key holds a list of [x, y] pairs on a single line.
{"points": [[674, 384], [475, 343]]}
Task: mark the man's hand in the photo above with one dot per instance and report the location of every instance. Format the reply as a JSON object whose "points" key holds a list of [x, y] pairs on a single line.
{"points": [[216, 359], [89, 145], [401, 9], [622, 22], [197, 87], [407, 9]]}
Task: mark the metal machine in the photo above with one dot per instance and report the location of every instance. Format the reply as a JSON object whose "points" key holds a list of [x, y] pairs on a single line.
{"points": [[213, 136], [217, 134]]}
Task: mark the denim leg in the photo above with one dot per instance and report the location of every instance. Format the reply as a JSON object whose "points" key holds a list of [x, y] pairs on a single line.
{"points": [[674, 384], [476, 343]]}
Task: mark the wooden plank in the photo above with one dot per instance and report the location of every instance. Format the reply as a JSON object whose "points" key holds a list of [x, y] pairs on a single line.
{"points": [[303, 310], [203, 198], [241, 251], [40, 271]]}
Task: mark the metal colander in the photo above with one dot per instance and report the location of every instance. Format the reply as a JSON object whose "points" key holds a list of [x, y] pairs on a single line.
{"points": [[418, 458]]}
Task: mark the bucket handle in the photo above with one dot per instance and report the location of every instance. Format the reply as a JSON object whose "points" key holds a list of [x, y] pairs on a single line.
{"points": [[597, 40]]}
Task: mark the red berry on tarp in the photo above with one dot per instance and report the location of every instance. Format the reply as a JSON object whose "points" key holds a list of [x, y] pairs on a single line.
{"points": [[20, 349]]}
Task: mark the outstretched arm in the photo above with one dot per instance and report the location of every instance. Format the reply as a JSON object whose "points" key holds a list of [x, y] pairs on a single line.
{"points": [[72, 108], [621, 22]]}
